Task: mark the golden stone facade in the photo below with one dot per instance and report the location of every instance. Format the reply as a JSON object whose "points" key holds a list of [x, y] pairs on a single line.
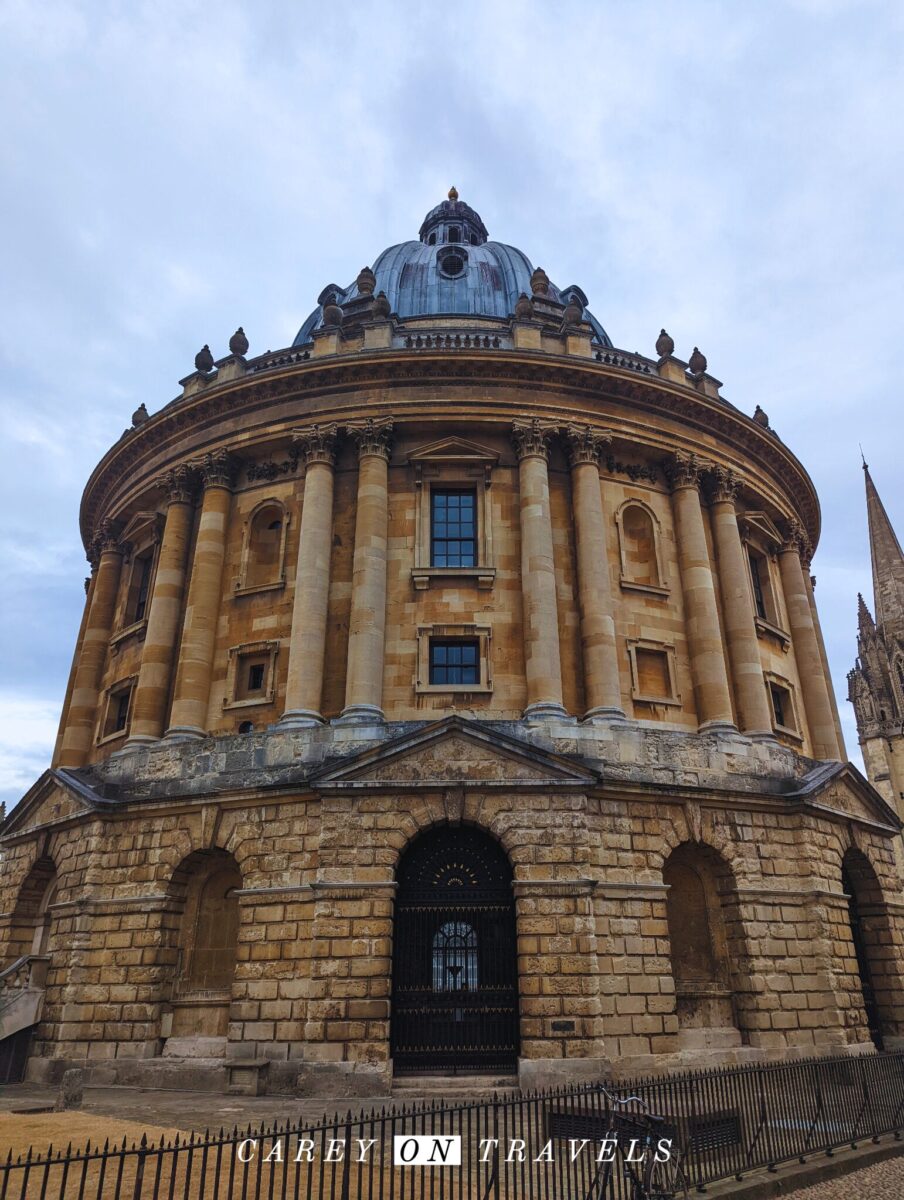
{"points": [[262, 722]]}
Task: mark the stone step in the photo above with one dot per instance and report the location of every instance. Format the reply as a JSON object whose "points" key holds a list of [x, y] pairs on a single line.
{"points": [[452, 1087]]}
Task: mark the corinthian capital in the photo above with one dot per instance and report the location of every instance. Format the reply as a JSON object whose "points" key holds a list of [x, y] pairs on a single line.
{"points": [[106, 538], [683, 470], [796, 540], [531, 438], [217, 469], [586, 444], [177, 484], [724, 485], [372, 436], [317, 443]]}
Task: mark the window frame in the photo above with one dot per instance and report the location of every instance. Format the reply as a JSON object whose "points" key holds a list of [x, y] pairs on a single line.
{"points": [[141, 537], [237, 662], [447, 493], [241, 586], [449, 465], [428, 634], [662, 588], [112, 696], [457, 643], [665, 648], [793, 732]]}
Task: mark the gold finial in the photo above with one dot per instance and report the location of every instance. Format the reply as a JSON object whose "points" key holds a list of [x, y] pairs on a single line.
{"points": [[453, 192]]}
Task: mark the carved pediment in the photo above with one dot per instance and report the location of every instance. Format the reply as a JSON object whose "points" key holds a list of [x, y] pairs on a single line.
{"points": [[840, 789], [761, 529], [55, 797], [454, 450], [455, 751]]}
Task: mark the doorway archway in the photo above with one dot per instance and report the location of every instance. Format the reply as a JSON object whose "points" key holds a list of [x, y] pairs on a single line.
{"points": [[454, 965]]}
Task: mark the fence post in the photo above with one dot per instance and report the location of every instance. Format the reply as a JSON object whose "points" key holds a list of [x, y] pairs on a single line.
{"points": [[139, 1167], [345, 1194]]}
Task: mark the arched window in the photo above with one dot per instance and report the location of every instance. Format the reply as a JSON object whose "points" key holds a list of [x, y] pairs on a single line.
{"points": [[455, 957], [263, 558], [638, 535]]}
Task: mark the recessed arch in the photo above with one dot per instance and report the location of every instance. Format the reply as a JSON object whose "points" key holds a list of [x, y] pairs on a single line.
{"points": [[264, 547], [705, 938], [640, 547], [204, 889], [32, 917], [869, 965], [454, 968]]}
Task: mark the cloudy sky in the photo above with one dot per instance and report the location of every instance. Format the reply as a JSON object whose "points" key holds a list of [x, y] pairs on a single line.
{"points": [[171, 170]]}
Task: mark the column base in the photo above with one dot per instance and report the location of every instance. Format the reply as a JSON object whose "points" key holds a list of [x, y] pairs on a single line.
{"points": [[760, 735], [184, 733], [545, 708], [604, 715], [718, 726], [135, 742], [299, 718], [360, 714]]}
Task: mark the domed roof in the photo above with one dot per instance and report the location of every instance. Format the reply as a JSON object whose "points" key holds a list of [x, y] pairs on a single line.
{"points": [[452, 268]]}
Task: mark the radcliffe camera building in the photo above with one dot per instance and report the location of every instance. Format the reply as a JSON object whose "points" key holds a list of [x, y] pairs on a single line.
{"points": [[450, 697]]}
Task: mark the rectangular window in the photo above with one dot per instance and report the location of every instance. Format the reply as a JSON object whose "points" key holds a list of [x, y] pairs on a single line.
{"points": [[453, 527], [121, 714], [116, 718], [759, 599], [454, 661], [256, 677], [779, 705], [653, 677]]}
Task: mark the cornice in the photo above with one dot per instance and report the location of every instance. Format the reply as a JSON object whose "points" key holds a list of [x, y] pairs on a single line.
{"points": [[386, 370]]}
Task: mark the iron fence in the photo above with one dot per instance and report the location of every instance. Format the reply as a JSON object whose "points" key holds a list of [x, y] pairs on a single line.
{"points": [[543, 1144]]}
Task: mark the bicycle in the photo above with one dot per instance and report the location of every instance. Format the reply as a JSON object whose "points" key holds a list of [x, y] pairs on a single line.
{"points": [[650, 1176]]}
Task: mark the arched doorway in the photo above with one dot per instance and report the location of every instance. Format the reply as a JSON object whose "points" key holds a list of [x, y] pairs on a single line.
{"points": [[454, 966], [860, 885]]}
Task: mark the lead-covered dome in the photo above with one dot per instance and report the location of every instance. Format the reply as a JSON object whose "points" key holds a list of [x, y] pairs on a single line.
{"points": [[452, 268]]}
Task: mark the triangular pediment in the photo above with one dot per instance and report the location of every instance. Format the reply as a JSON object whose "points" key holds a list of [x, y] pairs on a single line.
{"points": [[761, 527], [455, 752], [144, 526], [840, 789], [55, 797], [453, 449]]}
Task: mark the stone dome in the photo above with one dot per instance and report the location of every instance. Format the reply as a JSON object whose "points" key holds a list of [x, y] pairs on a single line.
{"points": [[453, 267]]}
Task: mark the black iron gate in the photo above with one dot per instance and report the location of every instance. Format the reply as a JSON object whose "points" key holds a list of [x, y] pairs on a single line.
{"points": [[454, 969]]}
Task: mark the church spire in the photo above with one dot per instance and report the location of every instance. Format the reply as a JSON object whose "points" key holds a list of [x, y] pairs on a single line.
{"points": [[887, 559]]}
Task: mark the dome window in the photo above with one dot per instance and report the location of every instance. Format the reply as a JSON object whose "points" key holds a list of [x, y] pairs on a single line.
{"points": [[452, 263], [431, 240], [454, 234]]}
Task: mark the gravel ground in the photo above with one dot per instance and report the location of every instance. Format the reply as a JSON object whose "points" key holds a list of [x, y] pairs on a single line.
{"points": [[884, 1181]]}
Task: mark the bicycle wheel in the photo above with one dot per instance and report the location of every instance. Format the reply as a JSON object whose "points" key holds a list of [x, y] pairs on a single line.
{"points": [[665, 1180]]}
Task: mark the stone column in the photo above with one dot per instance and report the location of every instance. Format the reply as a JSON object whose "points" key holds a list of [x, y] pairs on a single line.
{"points": [[754, 712], [82, 721], [307, 646], [542, 661], [188, 718], [155, 675], [73, 667], [704, 640], [367, 627], [601, 680], [814, 685], [810, 583]]}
